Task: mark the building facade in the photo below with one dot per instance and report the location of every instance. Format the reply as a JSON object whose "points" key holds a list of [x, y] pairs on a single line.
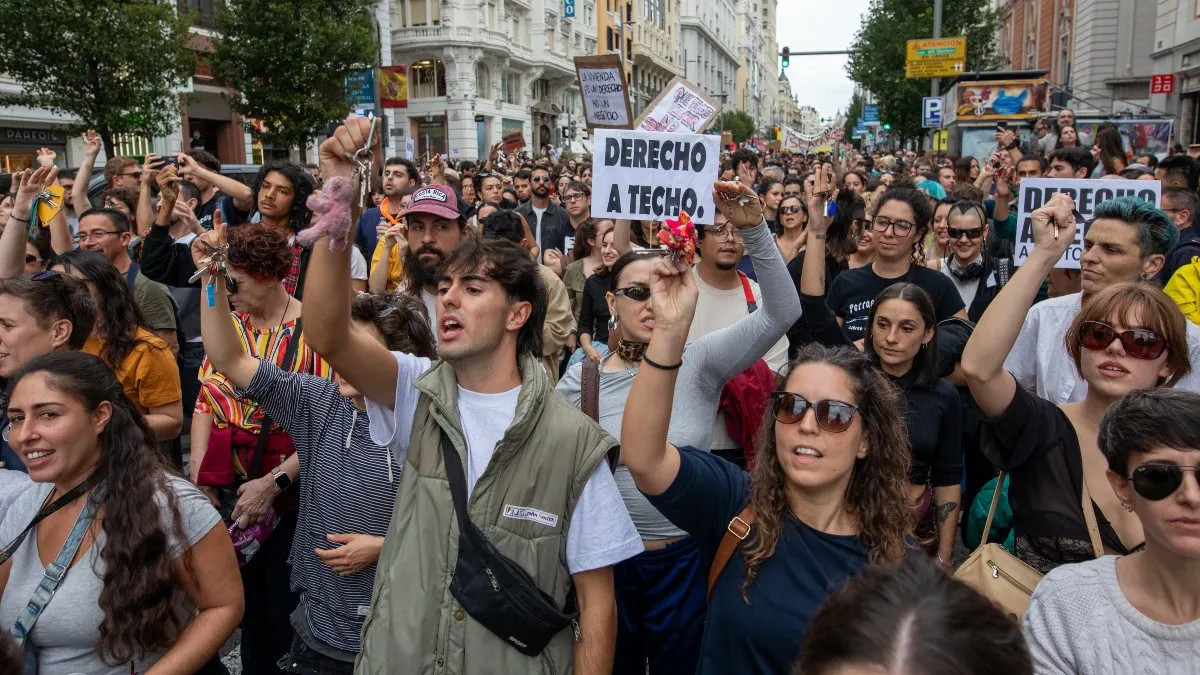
{"points": [[656, 59], [708, 49], [1177, 52]]}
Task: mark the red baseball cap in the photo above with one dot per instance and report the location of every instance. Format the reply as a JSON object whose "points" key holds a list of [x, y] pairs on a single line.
{"points": [[438, 200]]}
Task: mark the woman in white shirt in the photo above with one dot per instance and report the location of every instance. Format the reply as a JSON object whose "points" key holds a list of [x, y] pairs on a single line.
{"points": [[1141, 612]]}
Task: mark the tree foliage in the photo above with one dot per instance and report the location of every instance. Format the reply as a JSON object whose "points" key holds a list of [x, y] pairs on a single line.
{"points": [[117, 66], [878, 52], [852, 114], [287, 61], [740, 124]]}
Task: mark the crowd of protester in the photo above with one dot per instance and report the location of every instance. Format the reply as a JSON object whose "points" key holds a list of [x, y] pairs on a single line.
{"points": [[494, 434]]}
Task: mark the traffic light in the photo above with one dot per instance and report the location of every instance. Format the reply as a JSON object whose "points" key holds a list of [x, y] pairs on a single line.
{"points": [[887, 127], [787, 57]]}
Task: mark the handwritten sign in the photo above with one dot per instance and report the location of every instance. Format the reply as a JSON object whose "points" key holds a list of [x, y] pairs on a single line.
{"points": [[680, 108], [1087, 194], [604, 91], [513, 141], [643, 175]]}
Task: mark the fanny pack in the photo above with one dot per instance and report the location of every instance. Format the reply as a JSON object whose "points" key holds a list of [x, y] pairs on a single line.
{"points": [[494, 590]]}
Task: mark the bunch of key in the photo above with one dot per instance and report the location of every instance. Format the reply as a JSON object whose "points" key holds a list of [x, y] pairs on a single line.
{"points": [[213, 265]]}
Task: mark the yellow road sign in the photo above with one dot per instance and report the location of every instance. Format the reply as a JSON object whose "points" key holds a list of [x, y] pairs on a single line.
{"points": [[942, 57]]}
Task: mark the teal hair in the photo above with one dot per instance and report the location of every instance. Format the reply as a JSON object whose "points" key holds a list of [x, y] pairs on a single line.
{"points": [[1156, 232]]}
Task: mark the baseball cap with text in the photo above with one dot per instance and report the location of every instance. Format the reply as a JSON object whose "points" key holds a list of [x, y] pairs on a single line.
{"points": [[438, 200]]}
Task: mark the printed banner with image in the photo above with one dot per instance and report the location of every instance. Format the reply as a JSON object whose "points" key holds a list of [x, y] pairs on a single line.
{"points": [[643, 175], [679, 108], [1087, 194]]}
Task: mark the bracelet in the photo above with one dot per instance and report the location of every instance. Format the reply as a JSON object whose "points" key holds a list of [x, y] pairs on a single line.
{"points": [[13, 216], [818, 237], [650, 362]]}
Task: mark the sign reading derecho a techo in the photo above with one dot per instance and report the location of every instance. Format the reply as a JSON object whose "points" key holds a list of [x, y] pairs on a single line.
{"points": [[644, 175], [1087, 194]]}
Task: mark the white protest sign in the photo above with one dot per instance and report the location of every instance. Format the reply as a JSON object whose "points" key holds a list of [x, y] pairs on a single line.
{"points": [[604, 92], [1087, 194], [410, 148], [680, 108], [643, 175]]}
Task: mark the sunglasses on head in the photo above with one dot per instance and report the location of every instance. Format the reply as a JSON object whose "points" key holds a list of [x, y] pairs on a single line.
{"points": [[635, 293], [1158, 481], [972, 234], [833, 416], [1140, 343]]}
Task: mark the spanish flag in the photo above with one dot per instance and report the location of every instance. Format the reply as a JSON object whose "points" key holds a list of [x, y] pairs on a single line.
{"points": [[393, 86]]}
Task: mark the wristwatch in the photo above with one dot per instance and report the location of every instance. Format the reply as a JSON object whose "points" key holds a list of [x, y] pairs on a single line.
{"points": [[282, 480]]}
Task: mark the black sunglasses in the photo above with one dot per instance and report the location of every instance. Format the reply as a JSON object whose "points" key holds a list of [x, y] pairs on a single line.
{"points": [[833, 416], [1140, 343], [790, 209], [972, 234], [231, 285], [635, 293], [1158, 481], [30, 259]]}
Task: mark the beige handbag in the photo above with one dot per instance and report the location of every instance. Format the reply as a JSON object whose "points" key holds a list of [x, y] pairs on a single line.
{"points": [[1005, 578]]}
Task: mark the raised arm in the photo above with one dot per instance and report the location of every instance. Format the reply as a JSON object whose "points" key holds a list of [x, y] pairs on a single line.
{"points": [[983, 358], [356, 356], [239, 192], [221, 341], [393, 236], [16, 231], [145, 211], [621, 236], [819, 319], [79, 193]]}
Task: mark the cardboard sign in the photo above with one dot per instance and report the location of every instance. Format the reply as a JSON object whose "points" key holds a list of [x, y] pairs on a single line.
{"points": [[604, 91], [1087, 195], [643, 175], [513, 141], [679, 108]]}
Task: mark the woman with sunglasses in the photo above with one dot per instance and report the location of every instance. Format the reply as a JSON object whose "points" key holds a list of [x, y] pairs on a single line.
{"points": [[338, 538], [1127, 336], [660, 593], [793, 219], [976, 274], [902, 342], [898, 230], [826, 495], [1143, 608]]}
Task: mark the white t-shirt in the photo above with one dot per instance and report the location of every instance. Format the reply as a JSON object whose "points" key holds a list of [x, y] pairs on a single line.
{"points": [[358, 265], [601, 533], [537, 229], [12, 484]]}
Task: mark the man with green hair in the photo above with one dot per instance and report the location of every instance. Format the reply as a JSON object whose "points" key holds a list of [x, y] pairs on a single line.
{"points": [[1128, 240]]}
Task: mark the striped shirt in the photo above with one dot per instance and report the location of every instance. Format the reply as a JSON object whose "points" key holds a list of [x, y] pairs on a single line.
{"points": [[218, 396], [347, 486]]}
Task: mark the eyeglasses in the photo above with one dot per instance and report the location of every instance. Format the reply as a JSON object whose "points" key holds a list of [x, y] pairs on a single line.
{"points": [[790, 209], [576, 197], [635, 293], [31, 259], [972, 234], [832, 416], [96, 234], [724, 232], [1156, 482], [540, 179], [134, 174], [900, 227], [1140, 343], [231, 285], [860, 223]]}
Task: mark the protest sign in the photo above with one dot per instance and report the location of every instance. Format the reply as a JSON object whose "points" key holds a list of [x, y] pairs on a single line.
{"points": [[513, 141], [643, 175], [604, 91], [679, 108], [1088, 194]]}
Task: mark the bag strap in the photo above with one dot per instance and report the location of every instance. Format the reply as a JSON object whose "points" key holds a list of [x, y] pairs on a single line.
{"points": [[8, 551], [590, 390], [131, 275], [748, 293], [737, 531], [987, 525], [458, 482], [53, 577], [289, 362], [1089, 517]]}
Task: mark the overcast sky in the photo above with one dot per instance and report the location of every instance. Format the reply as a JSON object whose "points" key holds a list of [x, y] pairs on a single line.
{"points": [[819, 25]]}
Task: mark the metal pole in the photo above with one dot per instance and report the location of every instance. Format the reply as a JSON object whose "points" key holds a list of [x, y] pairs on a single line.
{"points": [[937, 33]]}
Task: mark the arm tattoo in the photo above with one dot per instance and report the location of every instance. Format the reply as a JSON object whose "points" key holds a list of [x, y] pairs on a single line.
{"points": [[944, 511]]}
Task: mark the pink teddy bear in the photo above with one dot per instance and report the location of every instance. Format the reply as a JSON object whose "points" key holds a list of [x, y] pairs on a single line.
{"points": [[331, 207]]}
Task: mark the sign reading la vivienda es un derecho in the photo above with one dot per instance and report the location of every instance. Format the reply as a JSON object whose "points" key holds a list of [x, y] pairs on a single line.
{"points": [[1088, 194], [603, 90], [644, 175]]}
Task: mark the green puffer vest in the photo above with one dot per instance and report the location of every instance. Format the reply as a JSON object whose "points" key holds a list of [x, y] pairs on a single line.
{"points": [[545, 458]]}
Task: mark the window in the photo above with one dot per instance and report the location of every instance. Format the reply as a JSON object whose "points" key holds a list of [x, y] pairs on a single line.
{"points": [[427, 79], [510, 88], [205, 11], [491, 14], [423, 12], [483, 81]]}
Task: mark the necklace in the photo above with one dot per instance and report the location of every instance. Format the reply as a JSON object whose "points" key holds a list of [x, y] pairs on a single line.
{"points": [[285, 311], [631, 351]]}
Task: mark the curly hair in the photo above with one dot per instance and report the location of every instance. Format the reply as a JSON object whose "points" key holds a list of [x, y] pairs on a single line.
{"points": [[877, 495], [118, 311], [400, 318], [303, 185], [261, 251], [918, 202], [141, 593]]}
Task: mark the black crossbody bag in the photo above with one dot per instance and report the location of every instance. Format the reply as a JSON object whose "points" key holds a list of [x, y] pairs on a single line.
{"points": [[494, 590]]}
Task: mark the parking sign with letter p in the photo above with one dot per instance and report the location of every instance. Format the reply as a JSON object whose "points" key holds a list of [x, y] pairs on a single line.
{"points": [[931, 112]]}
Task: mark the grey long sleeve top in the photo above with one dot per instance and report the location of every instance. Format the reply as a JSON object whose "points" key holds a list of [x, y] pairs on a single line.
{"points": [[708, 364]]}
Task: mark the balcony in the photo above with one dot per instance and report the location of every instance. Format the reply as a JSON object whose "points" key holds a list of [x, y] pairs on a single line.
{"points": [[205, 10]]}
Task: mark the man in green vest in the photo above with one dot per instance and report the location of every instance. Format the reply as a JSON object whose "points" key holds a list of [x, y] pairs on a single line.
{"points": [[537, 485]]}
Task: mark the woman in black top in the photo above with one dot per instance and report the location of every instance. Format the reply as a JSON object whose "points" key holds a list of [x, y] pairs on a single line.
{"points": [[1128, 336], [902, 341], [594, 314]]}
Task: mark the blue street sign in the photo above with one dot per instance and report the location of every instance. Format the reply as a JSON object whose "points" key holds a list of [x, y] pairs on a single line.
{"points": [[569, 9], [360, 87], [871, 113], [931, 112]]}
